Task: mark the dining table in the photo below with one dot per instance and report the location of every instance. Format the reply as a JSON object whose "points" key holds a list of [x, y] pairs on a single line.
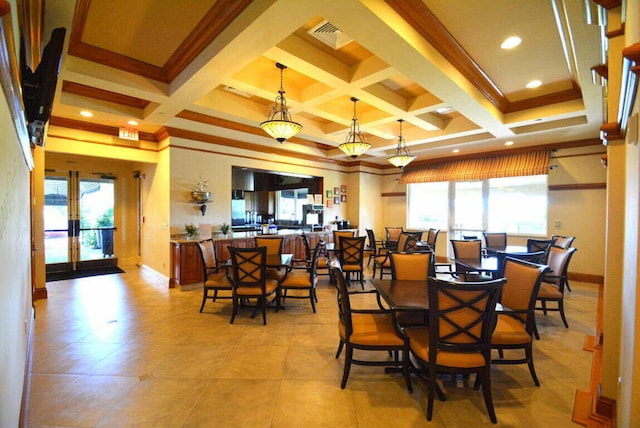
{"points": [[403, 295]]}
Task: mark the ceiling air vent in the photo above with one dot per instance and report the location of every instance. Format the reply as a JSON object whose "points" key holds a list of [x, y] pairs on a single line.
{"points": [[330, 35]]}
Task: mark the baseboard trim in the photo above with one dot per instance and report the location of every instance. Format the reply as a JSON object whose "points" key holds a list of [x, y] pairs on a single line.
{"points": [[26, 386], [585, 277]]}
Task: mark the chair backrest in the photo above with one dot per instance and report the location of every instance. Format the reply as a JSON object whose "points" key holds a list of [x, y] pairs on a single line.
{"points": [[521, 289], [337, 234], [313, 268], [462, 315], [344, 304], [539, 244], [432, 238], [408, 241], [249, 266], [468, 237], [393, 232], [466, 248], [351, 251], [208, 257], [558, 261], [563, 241], [372, 240], [412, 266], [496, 241], [535, 257], [272, 243], [307, 247]]}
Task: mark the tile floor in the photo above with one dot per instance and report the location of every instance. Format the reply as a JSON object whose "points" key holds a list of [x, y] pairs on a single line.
{"points": [[119, 351]]}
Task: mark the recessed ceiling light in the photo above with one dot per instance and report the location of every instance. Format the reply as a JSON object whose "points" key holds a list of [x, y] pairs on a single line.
{"points": [[132, 123], [534, 84], [508, 143], [444, 110], [511, 42], [85, 113], [456, 150]]}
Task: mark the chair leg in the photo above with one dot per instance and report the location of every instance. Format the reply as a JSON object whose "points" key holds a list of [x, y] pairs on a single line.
{"points": [[406, 371], [234, 310], [264, 310], [204, 299], [347, 366], [528, 352], [215, 294], [561, 309], [486, 393], [432, 393], [340, 346], [313, 299]]}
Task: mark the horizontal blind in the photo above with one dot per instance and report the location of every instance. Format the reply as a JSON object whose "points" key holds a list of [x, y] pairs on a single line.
{"points": [[516, 165]]}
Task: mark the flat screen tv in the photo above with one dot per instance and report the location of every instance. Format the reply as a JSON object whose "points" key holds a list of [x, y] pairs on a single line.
{"points": [[39, 87]]}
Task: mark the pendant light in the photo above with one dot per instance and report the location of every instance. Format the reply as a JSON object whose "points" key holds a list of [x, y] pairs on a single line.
{"points": [[279, 124], [355, 145], [402, 157]]}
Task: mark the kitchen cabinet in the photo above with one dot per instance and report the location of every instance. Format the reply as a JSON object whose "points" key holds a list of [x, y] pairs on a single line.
{"points": [[186, 263]]}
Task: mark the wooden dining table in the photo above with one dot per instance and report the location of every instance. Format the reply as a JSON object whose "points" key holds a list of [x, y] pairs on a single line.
{"points": [[403, 295]]}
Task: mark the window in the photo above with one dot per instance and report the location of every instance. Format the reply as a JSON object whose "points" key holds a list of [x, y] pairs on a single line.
{"points": [[428, 205], [516, 205], [289, 204]]}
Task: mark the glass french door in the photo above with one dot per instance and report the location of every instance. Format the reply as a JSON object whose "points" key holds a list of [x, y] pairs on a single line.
{"points": [[78, 221]]}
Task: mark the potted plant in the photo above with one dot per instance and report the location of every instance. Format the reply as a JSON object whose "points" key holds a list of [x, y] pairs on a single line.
{"points": [[190, 230], [224, 228]]}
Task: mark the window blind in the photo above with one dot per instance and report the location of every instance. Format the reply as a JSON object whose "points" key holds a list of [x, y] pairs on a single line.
{"points": [[532, 163]]}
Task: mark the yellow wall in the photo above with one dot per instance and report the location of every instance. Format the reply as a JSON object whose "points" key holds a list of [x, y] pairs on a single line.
{"points": [[16, 315]]}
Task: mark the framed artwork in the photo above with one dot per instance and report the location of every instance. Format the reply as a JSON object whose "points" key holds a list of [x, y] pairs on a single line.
{"points": [[336, 190], [343, 198], [10, 82], [336, 200], [343, 188], [329, 194], [329, 202]]}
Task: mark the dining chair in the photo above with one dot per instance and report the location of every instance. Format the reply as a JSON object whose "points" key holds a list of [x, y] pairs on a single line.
{"points": [[407, 241], [322, 267], [351, 257], [214, 280], [392, 235], [367, 330], [305, 279], [494, 242], [211, 262], [553, 283], [535, 245], [374, 245], [529, 257], [432, 239], [458, 337], [467, 249], [563, 241], [515, 323], [415, 266], [273, 245], [249, 280]]}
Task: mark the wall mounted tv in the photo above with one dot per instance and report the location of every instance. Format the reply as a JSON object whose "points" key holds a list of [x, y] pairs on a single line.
{"points": [[39, 87]]}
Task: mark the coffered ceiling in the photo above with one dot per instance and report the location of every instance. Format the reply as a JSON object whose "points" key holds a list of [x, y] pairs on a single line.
{"points": [[207, 67]]}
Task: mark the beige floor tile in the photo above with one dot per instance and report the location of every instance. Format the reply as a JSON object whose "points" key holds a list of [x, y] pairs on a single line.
{"points": [[119, 350], [234, 403], [314, 403]]}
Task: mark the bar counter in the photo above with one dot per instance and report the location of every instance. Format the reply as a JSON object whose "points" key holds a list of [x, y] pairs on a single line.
{"points": [[186, 265]]}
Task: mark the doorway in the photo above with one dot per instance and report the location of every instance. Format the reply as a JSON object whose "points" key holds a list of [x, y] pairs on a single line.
{"points": [[78, 221]]}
